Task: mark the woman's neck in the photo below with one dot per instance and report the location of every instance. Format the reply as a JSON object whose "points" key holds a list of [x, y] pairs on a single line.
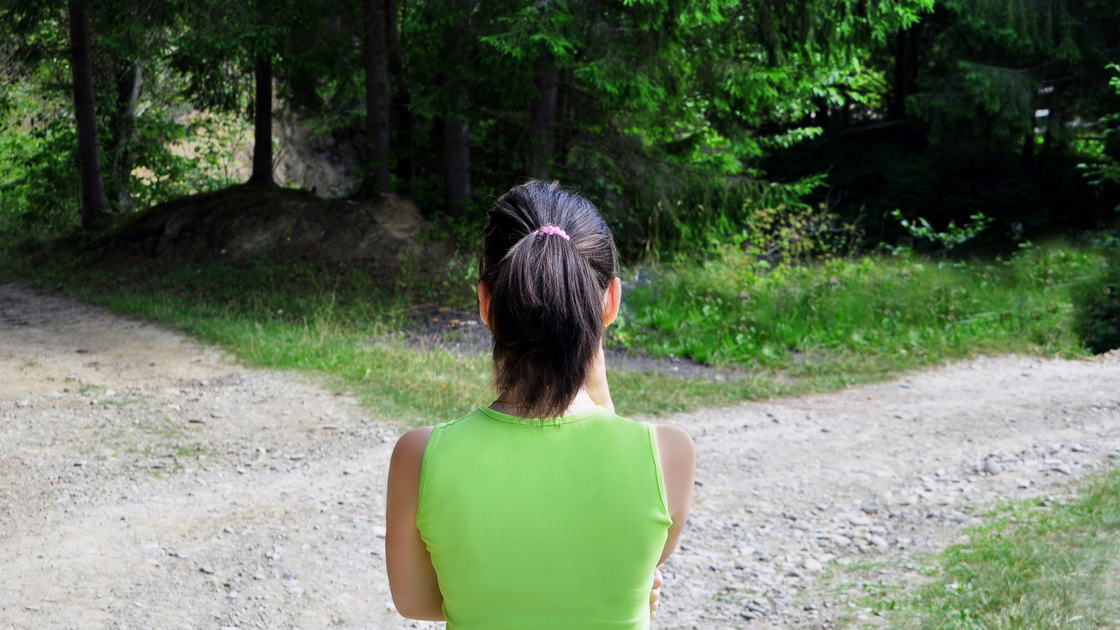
{"points": [[508, 404]]}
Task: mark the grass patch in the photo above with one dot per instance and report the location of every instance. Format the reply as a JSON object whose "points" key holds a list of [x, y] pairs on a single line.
{"points": [[789, 330], [861, 318], [1031, 566]]}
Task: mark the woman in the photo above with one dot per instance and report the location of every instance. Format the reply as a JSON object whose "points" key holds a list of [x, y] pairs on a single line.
{"points": [[545, 509]]}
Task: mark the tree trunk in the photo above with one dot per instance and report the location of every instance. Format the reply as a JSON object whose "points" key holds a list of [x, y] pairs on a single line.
{"points": [[376, 179], [85, 116], [128, 95], [456, 125], [262, 123], [542, 112], [906, 51], [399, 95]]}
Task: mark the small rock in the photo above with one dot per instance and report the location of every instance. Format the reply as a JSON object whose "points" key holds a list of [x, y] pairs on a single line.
{"points": [[379, 532], [756, 607], [1077, 448], [859, 521], [992, 467], [206, 569], [811, 565], [23, 404], [1064, 468], [1024, 483]]}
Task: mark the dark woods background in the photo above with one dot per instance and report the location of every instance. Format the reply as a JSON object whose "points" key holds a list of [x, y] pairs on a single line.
{"points": [[689, 123]]}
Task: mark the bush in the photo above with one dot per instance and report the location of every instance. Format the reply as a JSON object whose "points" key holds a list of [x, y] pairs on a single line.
{"points": [[1096, 305]]}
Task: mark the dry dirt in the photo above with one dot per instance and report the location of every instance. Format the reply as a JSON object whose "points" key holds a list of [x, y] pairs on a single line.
{"points": [[148, 481]]}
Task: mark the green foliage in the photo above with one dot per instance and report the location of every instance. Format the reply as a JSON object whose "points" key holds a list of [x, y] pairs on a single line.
{"points": [[37, 155], [952, 237], [670, 114], [1104, 170], [994, 63], [1096, 302], [154, 153], [901, 310]]}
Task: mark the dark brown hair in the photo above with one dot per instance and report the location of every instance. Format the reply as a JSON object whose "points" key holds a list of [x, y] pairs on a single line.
{"points": [[546, 305]]}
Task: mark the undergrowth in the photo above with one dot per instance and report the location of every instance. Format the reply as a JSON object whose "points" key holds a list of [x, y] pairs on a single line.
{"points": [[876, 313]]}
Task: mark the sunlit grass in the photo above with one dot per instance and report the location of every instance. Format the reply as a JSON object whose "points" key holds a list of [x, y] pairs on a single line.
{"points": [[890, 312], [1030, 566]]}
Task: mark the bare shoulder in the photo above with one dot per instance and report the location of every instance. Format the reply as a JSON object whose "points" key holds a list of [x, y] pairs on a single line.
{"points": [[409, 451], [414, 440], [673, 440]]}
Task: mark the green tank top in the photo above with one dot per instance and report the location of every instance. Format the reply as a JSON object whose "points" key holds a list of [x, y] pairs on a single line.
{"points": [[539, 524]]}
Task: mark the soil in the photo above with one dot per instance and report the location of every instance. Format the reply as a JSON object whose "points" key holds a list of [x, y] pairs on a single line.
{"points": [[149, 481], [251, 222]]}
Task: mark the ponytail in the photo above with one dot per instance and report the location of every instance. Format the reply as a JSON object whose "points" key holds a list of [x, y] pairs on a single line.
{"points": [[548, 257]]}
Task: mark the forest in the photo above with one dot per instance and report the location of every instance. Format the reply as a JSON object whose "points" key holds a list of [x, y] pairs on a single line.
{"points": [[685, 121], [736, 148]]}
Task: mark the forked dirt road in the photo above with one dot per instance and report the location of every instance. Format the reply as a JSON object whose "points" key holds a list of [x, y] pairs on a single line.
{"points": [[148, 481]]}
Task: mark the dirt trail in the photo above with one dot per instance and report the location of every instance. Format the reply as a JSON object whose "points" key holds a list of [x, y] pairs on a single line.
{"points": [[148, 481]]}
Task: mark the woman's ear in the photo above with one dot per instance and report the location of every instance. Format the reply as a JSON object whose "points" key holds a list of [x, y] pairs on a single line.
{"points": [[484, 302], [612, 299]]}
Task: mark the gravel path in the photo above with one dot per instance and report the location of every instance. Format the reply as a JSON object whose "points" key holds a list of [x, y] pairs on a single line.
{"points": [[148, 481]]}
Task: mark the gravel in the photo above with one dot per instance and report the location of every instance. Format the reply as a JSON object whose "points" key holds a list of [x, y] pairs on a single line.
{"points": [[150, 481]]}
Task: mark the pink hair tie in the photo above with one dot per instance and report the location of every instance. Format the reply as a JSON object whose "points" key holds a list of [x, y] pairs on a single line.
{"points": [[555, 231]]}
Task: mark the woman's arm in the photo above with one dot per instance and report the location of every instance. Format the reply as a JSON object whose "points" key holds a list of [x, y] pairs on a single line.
{"points": [[412, 579], [678, 465]]}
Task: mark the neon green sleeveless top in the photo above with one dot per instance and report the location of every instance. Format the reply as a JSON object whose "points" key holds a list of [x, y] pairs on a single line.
{"points": [[543, 524]]}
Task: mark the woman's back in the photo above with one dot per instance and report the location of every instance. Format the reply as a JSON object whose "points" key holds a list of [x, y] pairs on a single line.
{"points": [[523, 521], [541, 524]]}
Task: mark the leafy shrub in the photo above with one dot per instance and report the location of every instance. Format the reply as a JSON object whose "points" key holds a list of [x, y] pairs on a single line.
{"points": [[1096, 305]]}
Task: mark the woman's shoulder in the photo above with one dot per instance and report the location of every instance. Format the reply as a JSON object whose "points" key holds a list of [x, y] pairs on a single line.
{"points": [[674, 437], [410, 447]]}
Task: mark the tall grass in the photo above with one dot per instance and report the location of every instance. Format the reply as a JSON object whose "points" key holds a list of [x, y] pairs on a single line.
{"points": [[889, 311]]}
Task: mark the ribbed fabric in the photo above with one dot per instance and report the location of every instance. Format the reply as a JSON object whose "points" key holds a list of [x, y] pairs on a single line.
{"points": [[543, 524]]}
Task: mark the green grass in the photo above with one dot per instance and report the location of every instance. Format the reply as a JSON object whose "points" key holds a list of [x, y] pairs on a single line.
{"points": [[789, 331], [860, 318], [1029, 566]]}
